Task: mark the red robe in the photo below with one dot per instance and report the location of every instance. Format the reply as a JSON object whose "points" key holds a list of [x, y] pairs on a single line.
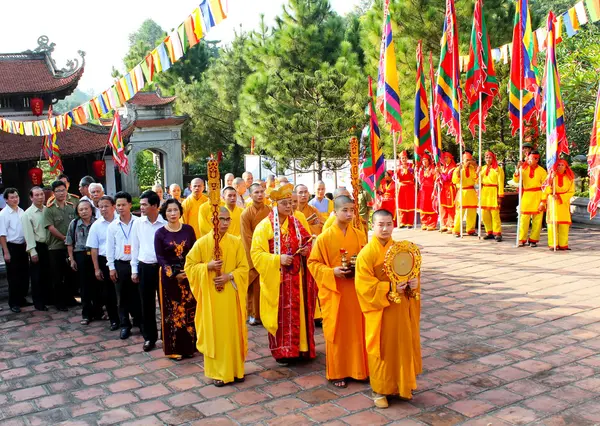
{"points": [[406, 193], [448, 193], [426, 183], [387, 197]]}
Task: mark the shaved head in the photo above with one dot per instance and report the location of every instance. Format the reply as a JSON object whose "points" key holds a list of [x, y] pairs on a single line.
{"points": [[341, 201], [340, 192], [381, 213]]}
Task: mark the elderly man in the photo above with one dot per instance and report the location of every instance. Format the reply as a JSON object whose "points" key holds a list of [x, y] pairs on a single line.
{"points": [[159, 191], [84, 184], [96, 192], [229, 179], [249, 180], [240, 187], [175, 191], [191, 205]]}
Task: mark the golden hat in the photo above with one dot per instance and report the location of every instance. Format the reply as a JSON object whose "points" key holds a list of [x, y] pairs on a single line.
{"points": [[282, 192]]}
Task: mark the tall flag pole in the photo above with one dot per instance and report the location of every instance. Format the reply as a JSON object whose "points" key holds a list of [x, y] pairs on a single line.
{"points": [[422, 123], [52, 151], [553, 116], [436, 137], [481, 85], [448, 101], [593, 159], [115, 141], [523, 83], [373, 168]]}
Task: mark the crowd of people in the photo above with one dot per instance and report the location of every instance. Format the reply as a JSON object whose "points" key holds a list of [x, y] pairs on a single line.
{"points": [[439, 193]]}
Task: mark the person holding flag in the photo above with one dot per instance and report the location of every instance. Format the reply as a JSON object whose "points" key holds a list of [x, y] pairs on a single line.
{"points": [[426, 178], [531, 212], [560, 189], [465, 176], [445, 171], [491, 177], [406, 192]]}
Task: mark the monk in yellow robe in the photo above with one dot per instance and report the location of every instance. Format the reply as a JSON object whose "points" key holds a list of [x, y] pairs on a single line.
{"points": [[191, 205], [219, 287], [557, 198], [312, 215], [229, 201], [254, 213], [343, 321], [388, 330], [331, 218], [287, 293], [467, 173], [531, 207], [491, 178]]}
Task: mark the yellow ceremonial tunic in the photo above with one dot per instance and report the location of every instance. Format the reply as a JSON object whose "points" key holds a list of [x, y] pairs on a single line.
{"points": [[343, 321], [205, 219], [220, 316], [559, 210], [530, 203], [492, 188], [268, 266], [191, 207], [388, 331], [468, 198]]}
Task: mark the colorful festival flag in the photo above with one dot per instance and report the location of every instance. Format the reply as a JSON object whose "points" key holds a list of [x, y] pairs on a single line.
{"points": [[571, 22], [581, 15], [436, 129], [553, 116], [593, 7], [448, 100], [522, 72], [481, 76], [115, 141], [422, 127], [593, 159], [373, 168]]}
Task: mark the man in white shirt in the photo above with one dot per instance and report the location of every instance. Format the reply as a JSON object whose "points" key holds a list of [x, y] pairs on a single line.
{"points": [[36, 238], [144, 266], [96, 192], [118, 257], [97, 242], [84, 187], [13, 244]]}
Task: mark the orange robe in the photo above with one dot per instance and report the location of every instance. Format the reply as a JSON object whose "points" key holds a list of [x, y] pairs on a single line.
{"points": [[251, 217], [388, 330], [343, 321], [307, 211]]}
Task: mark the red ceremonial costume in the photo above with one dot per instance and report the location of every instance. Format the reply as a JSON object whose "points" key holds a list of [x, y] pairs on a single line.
{"points": [[425, 197], [448, 192], [387, 195], [406, 192]]}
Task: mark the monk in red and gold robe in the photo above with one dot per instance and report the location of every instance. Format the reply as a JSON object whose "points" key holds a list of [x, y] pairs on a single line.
{"points": [[287, 292]]}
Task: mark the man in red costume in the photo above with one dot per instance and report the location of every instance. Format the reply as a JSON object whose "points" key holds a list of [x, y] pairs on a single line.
{"points": [[406, 192], [426, 175], [445, 170]]}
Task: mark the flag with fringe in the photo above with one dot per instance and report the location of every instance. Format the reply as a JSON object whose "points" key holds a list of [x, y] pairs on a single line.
{"points": [[422, 125], [553, 114], [436, 130], [115, 141], [373, 166], [522, 71], [593, 159], [52, 153], [448, 100], [481, 76]]}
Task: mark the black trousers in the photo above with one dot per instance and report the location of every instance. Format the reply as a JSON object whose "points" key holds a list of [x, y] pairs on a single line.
{"points": [[90, 287], [40, 289], [128, 295], [108, 292], [60, 268], [148, 287], [17, 274]]}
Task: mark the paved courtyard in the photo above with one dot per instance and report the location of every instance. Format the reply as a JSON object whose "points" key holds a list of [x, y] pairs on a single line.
{"points": [[510, 337]]}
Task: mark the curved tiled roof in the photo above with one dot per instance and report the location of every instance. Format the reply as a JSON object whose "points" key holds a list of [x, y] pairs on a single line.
{"points": [[33, 73], [150, 99]]}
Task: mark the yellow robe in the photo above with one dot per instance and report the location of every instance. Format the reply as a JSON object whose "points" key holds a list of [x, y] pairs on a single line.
{"points": [[205, 219], [469, 195], [343, 321], [330, 221], [532, 190], [492, 187], [220, 317], [561, 204], [268, 266], [388, 331], [191, 207]]}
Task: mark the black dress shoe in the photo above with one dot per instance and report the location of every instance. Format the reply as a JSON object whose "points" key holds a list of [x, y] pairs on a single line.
{"points": [[114, 326], [149, 345], [125, 333], [15, 309], [41, 308]]}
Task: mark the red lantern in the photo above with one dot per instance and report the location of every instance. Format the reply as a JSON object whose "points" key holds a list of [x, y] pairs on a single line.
{"points": [[99, 167], [35, 175], [37, 106]]}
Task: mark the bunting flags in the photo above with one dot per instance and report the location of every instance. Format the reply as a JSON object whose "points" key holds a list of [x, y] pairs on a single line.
{"points": [[436, 129], [481, 76], [448, 100], [169, 51], [593, 159], [571, 22], [388, 88], [523, 81], [593, 7], [115, 141], [553, 116], [422, 124], [373, 167]]}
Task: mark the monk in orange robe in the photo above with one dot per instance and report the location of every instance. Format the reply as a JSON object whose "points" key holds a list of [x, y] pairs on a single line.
{"points": [[343, 321], [313, 217]]}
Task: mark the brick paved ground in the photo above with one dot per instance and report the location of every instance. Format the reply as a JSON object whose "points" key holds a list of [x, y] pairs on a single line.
{"points": [[510, 336]]}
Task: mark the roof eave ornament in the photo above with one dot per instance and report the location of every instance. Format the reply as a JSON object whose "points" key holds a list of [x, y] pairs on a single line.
{"points": [[46, 48]]}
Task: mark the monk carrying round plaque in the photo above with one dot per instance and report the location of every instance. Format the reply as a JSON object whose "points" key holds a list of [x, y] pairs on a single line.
{"points": [[402, 263]]}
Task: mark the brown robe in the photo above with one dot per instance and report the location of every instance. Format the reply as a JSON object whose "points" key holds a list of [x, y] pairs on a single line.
{"points": [[309, 210], [251, 217]]}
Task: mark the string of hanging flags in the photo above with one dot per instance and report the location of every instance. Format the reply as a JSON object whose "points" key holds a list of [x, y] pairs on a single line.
{"points": [[175, 45]]}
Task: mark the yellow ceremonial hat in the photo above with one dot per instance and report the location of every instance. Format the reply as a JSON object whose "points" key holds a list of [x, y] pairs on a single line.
{"points": [[282, 192]]}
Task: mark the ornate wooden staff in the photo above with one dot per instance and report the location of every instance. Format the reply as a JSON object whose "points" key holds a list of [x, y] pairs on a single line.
{"points": [[214, 196], [354, 150]]}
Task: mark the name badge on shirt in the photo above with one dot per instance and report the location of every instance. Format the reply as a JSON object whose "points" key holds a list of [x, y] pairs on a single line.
{"points": [[127, 249]]}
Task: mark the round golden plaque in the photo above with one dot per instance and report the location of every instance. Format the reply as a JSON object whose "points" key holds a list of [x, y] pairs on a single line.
{"points": [[401, 264]]}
